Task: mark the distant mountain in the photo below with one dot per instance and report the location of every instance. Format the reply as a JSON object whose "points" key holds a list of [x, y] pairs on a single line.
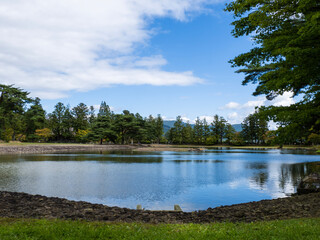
{"points": [[167, 124], [237, 127]]}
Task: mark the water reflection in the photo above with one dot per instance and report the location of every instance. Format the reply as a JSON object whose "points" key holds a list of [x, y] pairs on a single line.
{"points": [[159, 180]]}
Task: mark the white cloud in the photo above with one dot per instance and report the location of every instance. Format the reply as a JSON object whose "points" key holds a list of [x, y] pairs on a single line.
{"points": [[233, 118], [249, 104], [55, 46], [252, 104], [283, 100], [232, 105], [240, 111], [209, 119], [186, 119]]}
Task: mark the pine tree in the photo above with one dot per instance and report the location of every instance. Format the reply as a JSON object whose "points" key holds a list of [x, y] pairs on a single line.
{"points": [[12, 108], [35, 118], [218, 128], [198, 131], [80, 114]]}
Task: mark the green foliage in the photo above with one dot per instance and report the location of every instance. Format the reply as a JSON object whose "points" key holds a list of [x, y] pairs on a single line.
{"points": [[43, 134], [314, 138], [59, 229], [254, 128], [80, 115], [91, 117], [104, 109], [270, 137], [158, 128], [126, 126], [238, 139], [7, 134], [177, 131], [287, 35], [218, 127], [229, 133], [102, 130], [285, 59], [187, 133], [82, 135], [35, 118], [56, 120], [22, 118], [142, 131], [12, 108], [206, 131], [198, 131]]}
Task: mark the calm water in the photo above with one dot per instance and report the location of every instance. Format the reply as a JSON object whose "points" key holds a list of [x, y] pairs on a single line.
{"points": [[158, 180]]}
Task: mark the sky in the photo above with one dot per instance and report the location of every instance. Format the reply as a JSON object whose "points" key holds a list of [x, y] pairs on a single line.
{"points": [[167, 57]]}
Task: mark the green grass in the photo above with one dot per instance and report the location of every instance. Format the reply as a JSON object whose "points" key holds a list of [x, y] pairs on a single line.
{"points": [[59, 229]]}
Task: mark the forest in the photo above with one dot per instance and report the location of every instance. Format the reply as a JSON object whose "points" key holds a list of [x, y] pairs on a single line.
{"points": [[23, 118]]}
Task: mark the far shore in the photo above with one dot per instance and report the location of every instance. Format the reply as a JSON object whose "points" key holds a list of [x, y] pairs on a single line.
{"points": [[23, 148]]}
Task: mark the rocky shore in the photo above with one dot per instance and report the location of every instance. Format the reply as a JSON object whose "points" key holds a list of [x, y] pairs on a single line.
{"points": [[51, 148], [22, 205]]}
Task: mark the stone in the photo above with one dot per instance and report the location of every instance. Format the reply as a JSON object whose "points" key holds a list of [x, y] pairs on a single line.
{"points": [[177, 208], [310, 184]]}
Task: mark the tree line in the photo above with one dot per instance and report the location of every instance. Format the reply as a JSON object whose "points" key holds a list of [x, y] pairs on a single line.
{"points": [[24, 119]]}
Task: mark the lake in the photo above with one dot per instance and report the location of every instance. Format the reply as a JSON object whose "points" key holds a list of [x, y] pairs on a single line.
{"points": [[158, 180]]}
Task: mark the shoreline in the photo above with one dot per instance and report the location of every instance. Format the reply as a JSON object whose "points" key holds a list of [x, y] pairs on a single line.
{"points": [[25, 148], [23, 205], [58, 148]]}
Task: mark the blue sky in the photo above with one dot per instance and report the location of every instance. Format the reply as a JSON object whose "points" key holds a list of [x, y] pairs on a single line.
{"points": [[152, 57]]}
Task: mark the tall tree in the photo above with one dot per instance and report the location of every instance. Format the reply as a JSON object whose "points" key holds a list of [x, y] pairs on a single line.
{"points": [[187, 133], [35, 118], [229, 133], [102, 126], [177, 131], [198, 131], [150, 126], [254, 128], [68, 122], [218, 126], [206, 131], [92, 116], [55, 120], [102, 129], [285, 59], [141, 131], [80, 115], [12, 108], [104, 109], [158, 128], [126, 126]]}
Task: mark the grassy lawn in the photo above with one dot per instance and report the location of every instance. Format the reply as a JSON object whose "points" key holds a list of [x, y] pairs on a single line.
{"points": [[59, 229]]}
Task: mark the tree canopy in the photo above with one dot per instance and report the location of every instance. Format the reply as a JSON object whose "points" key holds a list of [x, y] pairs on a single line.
{"points": [[285, 58], [287, 54]]}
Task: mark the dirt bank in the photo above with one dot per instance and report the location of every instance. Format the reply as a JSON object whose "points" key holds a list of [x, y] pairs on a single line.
{"points": [[22, 205], [50, 148]]}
